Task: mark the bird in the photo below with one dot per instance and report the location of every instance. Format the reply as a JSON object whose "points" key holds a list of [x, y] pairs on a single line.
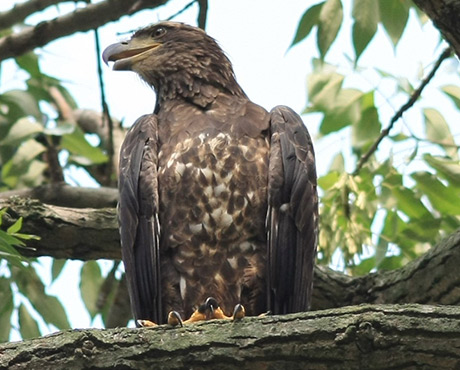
{"points": [[218, 203]]}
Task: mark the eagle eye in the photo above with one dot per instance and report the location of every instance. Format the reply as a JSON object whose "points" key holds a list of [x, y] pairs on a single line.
{"points": [[160, 31]]}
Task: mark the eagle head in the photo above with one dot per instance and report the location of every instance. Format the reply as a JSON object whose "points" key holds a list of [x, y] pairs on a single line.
{"points": [[175, 59]]}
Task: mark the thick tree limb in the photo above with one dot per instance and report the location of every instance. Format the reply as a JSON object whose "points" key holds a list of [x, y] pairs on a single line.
{"points": [[92, 234], [22, 10], [72, 233], [82, 19], [359, 337], [67, 196], [430, 279], [445, 15]]}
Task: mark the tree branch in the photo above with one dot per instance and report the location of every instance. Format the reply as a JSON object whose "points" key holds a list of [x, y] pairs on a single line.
{"points": [[410, 102], [445, 15], [202, 13], [359, 337], [110, 179], [68, 196], [22, 10], [430, 279], [75, 233], [82, 19], [93, 233]]}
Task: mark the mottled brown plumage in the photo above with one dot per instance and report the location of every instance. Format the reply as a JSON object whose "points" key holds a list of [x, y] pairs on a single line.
{"points": [[217, 196]]}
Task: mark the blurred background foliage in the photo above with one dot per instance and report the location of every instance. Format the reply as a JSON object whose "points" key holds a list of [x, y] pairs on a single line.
{"points": [[376, 214]]}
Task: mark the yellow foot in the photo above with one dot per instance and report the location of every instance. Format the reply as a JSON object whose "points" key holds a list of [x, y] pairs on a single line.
{"points": [[146, 323], [268, 313], [200, 314], [209, 310], [215, 312]]}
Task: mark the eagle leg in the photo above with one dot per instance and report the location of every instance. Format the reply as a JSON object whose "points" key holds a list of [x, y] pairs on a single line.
{"points": [[201, 314]]}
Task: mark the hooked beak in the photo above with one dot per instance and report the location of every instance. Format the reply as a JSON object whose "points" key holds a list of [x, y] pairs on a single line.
{"points": [[126, 53]]}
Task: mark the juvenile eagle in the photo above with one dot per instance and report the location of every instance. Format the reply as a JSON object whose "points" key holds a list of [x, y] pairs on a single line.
{"points": [[217, 196]]}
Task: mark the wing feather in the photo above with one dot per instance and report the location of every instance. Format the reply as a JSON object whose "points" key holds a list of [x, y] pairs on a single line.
{"points": [[292, 219], [138, 217]]}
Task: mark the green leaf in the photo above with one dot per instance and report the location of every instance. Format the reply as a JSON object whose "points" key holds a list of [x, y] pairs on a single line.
{"points": [[391, 263], [447, 168], [82, 151], [410, 204], [399, 137], [404, 85], [10, 239], [60, 130], [28, 327], [437, 130], [329, 180], [366, 17], [6, 308], [389, 232], [20, 163], [367, 128], [56, 268], [421, 230], [323, 87], [342, 111], [394, 15], [34, 175], [29, 62], [329, 22], [442, 198], [8, 252], [338, 163], [309, 19], [364, 266], [21, 130], [453, 92], [90, 284], [15, 227], [47, 306], [23, 102]]}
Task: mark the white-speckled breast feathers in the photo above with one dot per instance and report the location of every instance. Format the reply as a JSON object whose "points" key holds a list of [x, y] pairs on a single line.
{"points": [[213, 191]]}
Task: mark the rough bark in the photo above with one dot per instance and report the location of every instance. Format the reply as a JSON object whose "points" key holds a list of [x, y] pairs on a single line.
{"points": [[21, 11], [89, 233], [74, 233], [445, 15], [67, 196], [357, 337], [82, 19], [432, 278]]}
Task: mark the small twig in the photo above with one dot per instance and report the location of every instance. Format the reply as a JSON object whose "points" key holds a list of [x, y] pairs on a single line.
{"points": [[106, 287], [410, 102], [182, 10], [105, 111], [203, 13]]}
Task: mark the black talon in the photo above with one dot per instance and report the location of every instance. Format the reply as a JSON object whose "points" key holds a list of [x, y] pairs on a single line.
{"points": [[211, 305], [238, 312], [174, 319]]}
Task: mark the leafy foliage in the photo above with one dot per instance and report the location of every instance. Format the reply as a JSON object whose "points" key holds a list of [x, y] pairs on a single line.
{"points": [[32, 126], [382, 215], [29, 133]]}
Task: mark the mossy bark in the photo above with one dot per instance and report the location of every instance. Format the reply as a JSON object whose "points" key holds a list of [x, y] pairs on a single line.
{"points": [[356, 337]]}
